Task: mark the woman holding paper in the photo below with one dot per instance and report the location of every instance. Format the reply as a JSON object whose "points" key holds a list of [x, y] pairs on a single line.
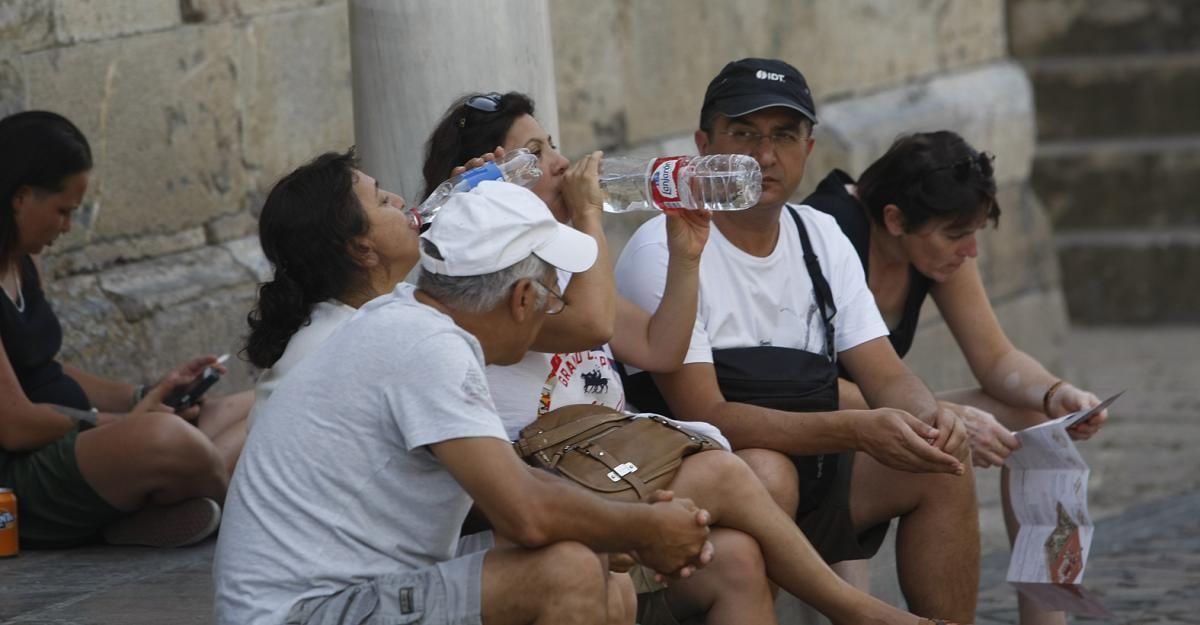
{"points": [[912, 217]]}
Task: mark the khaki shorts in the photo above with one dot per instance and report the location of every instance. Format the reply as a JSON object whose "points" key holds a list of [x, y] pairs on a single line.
{"points": [[829, 527], [446, 593]]}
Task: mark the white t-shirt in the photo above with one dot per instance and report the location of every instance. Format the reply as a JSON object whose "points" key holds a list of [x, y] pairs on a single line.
{"points": [[336, 483], [324, 319], [541, 382], [748, 301]]}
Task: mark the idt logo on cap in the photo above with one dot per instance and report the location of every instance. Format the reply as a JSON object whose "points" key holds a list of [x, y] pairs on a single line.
{"points": [[765, 75]]}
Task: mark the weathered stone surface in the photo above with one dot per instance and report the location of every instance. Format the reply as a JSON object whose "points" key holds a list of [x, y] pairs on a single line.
{"points": [[1086, 27], [214, 323], [991, 106], [293, 110], [248, 253], [167, 282], [1120, 184], [89, 20], [26, 24], [1132, 277], [232, 226], [651, 86], [12, 86], [164, 163], [213, 10], [96, 337], [83, 257], [1018, 256], [1096, 98]]}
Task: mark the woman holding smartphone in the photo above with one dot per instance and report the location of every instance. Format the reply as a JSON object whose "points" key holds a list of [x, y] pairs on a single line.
{"points": [[89, 457]]}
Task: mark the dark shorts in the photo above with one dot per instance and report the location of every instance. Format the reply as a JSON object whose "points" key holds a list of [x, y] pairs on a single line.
{"points": [[56, 506], [829, 527]]}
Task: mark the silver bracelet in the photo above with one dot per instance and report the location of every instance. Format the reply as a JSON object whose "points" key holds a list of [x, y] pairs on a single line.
{"points": [[78, 416]]}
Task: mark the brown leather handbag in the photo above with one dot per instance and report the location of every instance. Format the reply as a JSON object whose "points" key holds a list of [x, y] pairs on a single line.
{"points": [[617, 455]]}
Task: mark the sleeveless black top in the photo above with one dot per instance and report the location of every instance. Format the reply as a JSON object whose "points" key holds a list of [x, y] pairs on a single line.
{"points": [[32, 339], [832, 197]]}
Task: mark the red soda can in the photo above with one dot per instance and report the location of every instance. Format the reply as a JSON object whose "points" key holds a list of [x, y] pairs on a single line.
{"points": [[9, 548]]}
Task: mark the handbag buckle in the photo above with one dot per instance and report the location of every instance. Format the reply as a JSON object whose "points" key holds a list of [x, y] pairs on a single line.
{"points": [[621, 470]]}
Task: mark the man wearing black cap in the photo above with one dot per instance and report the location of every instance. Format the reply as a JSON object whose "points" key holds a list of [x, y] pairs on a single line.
{"points": [[782, 301]]}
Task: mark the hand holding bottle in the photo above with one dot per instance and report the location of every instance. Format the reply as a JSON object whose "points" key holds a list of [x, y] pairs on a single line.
{"points": [[581, 189]]}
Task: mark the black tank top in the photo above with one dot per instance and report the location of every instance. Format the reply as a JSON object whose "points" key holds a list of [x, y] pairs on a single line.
{"points": [[832, 197], [32, 339]]}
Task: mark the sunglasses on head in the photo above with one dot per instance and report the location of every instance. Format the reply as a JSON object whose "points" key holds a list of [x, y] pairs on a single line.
{"points": [[961, 170], [485, 103]]}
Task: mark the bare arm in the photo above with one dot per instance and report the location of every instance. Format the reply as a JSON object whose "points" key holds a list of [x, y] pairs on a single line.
{"points": [[536, 509], [591, 297], [105, 394], [1003, 371], [660, 341]]}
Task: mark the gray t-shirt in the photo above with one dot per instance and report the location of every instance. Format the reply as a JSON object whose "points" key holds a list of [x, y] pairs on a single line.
{"points": [[336, 484]]}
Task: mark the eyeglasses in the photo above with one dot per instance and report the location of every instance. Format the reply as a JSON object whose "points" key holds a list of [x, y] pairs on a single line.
{"points": [[750, 139], [555, 304]]}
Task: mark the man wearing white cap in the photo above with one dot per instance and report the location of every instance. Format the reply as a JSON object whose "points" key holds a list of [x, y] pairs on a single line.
{"points": [[347, 503]]}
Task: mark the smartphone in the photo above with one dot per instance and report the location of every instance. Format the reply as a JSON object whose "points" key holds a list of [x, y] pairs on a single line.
{"points": [[186, 396]]}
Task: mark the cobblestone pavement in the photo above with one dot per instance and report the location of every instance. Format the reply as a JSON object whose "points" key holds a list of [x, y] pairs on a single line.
{"points": [[1144, 496]]}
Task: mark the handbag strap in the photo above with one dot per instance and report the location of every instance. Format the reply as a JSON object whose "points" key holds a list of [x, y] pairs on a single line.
{"points": [[532, 443], [821, 291]]}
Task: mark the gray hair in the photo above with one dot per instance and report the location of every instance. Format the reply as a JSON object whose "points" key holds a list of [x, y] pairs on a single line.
{"points": [[480, 294]]}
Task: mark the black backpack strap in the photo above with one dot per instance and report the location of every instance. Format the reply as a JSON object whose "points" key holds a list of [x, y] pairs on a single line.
{"points": [[821, 291]]}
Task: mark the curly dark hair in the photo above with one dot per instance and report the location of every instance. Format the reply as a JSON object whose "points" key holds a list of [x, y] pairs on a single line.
{"points": [[931, 176], [466, 131], [308, 224], [38, 149]]}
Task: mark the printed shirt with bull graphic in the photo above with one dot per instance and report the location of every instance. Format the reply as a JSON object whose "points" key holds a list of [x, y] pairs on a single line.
{"points": [[542, 382]]}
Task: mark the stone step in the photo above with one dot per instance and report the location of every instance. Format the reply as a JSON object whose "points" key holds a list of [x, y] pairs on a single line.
{"points": [[1117, 96], [1040, 28], [1125, 183], [1138, 277]]}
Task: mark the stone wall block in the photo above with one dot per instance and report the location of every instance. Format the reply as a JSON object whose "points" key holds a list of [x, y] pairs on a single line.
{"points": [[294, 80], [27, 24], [12, 86], [95, 335], [1041, 28], [991, 106], [1120, 184], [80, 256], [589, 74], [170, 282], [90, 20], [248, 253], [213, 323], [1099, 98], [162, 114], [215, 10], [229, 227], [1131, 278], [1018, 256]]}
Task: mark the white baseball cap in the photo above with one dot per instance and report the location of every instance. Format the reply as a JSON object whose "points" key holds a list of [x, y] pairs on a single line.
{"points": [[497, 225]]}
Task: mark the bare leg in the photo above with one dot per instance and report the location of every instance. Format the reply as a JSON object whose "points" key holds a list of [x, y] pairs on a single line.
{"points": [[622, 599], [569, 579], [724, 485], [223, 420], [732, 589], [1014, 419], [150, 457], [937, 543]]}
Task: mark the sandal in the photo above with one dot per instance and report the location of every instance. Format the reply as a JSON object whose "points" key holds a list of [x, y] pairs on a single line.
{"points": [[177, 525]]}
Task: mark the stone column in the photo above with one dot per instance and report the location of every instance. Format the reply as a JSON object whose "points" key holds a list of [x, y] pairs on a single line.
{"points": [[411, 59]]}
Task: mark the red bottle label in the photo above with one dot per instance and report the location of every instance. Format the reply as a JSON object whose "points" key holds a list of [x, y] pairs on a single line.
{"points": [[664, 181]]}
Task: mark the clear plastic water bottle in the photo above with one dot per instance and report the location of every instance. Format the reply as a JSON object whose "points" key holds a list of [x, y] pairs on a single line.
{"points": [[718, 182], [518, 167]]}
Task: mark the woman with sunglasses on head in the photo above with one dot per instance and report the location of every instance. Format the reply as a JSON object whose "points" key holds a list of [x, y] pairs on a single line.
{"points": [[912, 217], [89, 457]]}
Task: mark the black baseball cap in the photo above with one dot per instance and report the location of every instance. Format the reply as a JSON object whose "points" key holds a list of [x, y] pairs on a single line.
{"points": [[750, 85]]}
